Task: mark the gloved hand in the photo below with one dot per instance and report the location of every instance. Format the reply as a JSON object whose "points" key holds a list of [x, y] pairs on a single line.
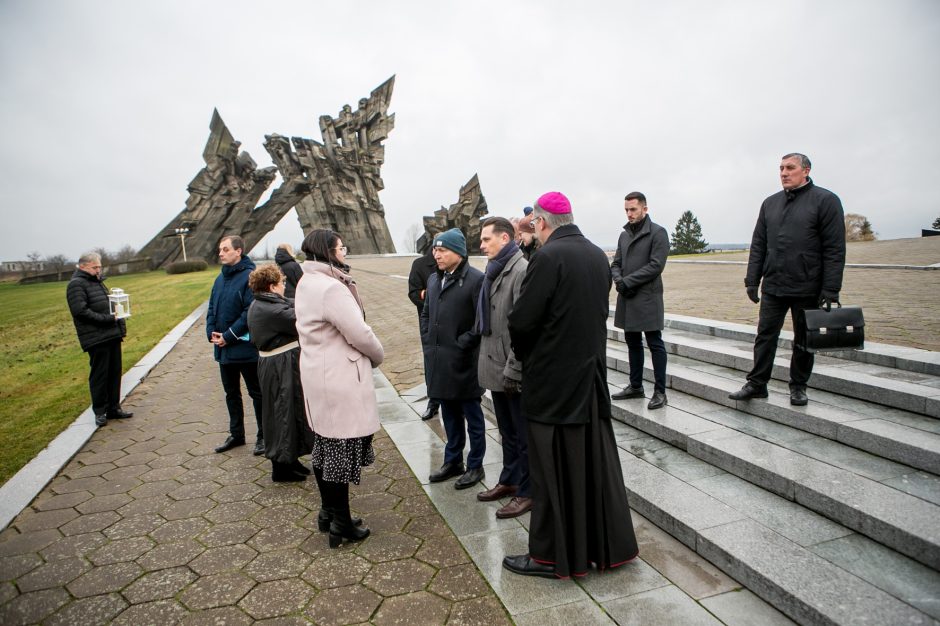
{"points": [[511, 386], [629, 293], [620, 287], [827, 299], [752, 294]]}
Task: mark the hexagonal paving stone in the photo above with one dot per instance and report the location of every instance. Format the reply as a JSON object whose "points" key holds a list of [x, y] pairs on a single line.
{"points": [[442, 552], [278, 538], [12, 567], [83, 471], [343, 605], [397, 470], [290, 493], [162, 473], [386, 522], [28, 542], [416, 608], [278, 564], [95, 458], [428, 526], [120, 485], [224, 615], [232, 512], [134, 526], [339, 570], [93, 610], [390, 547], [222, 559], [178, 530], [77, 484], [406, 487], [195, 490], [397, 577], [373, 502], [416, 506], [217, 590], [140, 506], [32, 608], [158, 585], [279, 515], [30, 520], [74, 545], [373, 483], [241, 476], [159, 612], [460, 582], [121, 550], [104, 579], [158, 488], [200, 474], [170, 460], [52, 574], [104, 503], [188, 508], [226, 534], [90, 523], [126, 471], [233, 493], [279, 597], [171, 555], [65, 501]]}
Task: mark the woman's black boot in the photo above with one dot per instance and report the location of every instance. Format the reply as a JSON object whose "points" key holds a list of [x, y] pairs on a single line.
{"points": [[282, 473], [342, 526], [326, 511]]}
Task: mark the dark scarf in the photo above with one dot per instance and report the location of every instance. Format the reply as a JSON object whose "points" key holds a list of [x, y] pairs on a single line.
{"points": [[493, 269], [637, 226]]}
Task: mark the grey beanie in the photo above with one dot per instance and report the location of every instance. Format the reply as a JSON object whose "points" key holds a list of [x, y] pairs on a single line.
{"points": [[452, 239]]}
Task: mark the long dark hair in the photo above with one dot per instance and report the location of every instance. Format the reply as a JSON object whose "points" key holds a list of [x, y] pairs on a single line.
{"points": [[320, 245]]}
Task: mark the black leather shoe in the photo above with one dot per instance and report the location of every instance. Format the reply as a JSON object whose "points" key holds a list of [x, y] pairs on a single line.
{"points": [[629, 392], [282, 473], [120, 414], [798, 396], [429, 412], [230, 443], [259, 447], [524, 565], [101, 420], [448, 470], [658, 400], [470, 478], [749, 391]]}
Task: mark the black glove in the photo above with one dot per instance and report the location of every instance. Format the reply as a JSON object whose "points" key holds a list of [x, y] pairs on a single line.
{"points": [[629, 293], [511, 386], [827, 299], [752, 294], [620, 287]]}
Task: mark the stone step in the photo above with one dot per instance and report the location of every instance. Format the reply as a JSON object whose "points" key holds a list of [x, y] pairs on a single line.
{"points": [[871, 383], [757, 451], [889, 433], [794, 559]]}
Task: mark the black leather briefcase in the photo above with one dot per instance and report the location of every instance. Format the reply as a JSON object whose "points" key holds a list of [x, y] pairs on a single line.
{"points": [[839, 328]]}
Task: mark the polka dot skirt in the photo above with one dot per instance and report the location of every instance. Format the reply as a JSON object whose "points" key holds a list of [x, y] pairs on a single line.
{"points": [[342, 459]]}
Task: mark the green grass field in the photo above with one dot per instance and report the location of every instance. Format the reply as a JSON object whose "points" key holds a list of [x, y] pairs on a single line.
{"points": [[43, 371]]}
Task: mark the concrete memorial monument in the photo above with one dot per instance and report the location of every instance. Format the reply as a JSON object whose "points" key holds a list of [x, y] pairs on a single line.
{"points": [[466, 214]]}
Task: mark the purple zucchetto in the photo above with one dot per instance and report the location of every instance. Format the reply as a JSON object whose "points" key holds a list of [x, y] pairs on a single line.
{"points": [[554, 202]]}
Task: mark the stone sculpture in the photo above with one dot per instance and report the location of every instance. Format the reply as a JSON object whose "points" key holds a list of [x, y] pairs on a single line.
{"points": [[335, 184], [466, 214], [222, 199]]}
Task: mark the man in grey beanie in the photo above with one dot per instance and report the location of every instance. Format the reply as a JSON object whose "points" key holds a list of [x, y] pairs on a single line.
{"points": [[451, 348]]}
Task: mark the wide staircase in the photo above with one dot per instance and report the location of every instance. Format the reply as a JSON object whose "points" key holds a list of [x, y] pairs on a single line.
{"points": [[830, 512]]}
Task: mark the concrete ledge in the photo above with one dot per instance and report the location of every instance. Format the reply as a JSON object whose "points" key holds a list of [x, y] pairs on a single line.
{"points": [[25, 485]]}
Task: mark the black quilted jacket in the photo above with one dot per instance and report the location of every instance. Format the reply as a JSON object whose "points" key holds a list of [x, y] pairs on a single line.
{"points": [[88, 301]]}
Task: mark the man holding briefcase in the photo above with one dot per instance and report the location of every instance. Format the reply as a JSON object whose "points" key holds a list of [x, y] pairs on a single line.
{"points": [[798, 253]]}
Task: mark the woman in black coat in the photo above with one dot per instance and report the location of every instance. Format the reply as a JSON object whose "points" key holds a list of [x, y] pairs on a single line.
{"points": [[272, 329], [284, 257]]}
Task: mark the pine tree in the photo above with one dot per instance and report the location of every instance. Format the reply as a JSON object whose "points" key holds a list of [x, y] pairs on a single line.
{"points": [[936, 224], [687, 238], [858, 228]]}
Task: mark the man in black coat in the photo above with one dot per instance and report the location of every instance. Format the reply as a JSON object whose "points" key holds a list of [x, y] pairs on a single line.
{"points": [[451, 349], [421, 270], [284, 257], [637, 270], [558, 328], [100, 334], [797, 258]]}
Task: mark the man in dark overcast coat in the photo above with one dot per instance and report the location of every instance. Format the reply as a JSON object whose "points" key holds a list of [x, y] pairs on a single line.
{"points": [[421, 270], [558, 327], [637, 269]]}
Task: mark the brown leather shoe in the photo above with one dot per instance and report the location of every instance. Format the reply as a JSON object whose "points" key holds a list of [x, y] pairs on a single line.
{"points": [[498, 492], [516, 507]]}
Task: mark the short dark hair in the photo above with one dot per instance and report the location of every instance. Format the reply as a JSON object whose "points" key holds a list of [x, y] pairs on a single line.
{"points": [[804, 160], [500, 225], [636, 195], [319, 246], [263, 278], [237, 242]]}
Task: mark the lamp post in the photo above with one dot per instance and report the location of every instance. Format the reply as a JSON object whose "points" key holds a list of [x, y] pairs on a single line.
{"points": [[182, 233]]}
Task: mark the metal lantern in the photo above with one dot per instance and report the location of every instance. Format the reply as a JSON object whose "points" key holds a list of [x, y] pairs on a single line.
{"points": [[120, 303]]}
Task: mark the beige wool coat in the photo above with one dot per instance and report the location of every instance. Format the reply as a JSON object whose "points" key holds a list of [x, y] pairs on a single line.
{"points": [[337, 353]]}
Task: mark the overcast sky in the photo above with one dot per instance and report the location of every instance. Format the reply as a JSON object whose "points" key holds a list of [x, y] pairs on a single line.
{"points": [[105, 106]]}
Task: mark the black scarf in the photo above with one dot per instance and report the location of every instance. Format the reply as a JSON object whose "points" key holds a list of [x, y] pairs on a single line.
{"points": [[493, 269]]}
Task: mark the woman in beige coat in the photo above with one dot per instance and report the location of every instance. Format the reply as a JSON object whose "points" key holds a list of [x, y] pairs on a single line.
{"points": [[338, 352]]}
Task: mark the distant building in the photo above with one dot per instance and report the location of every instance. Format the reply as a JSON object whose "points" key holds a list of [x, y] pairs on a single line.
{"points": [[9, 267]]}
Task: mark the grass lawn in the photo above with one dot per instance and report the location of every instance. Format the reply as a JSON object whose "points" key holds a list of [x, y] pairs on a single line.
{"points": [[43, 371]]}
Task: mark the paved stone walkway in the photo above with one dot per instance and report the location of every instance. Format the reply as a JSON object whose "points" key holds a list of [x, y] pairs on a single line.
{"points": [[146, 525]]}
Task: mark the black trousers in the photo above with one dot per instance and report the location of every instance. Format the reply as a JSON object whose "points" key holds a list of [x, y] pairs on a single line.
{"points": [[654, 339], [104, 377], [233, 395], [513, 435], [773, 312]]}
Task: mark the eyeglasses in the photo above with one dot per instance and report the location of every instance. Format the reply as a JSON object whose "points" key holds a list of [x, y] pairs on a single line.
{"points": [[537, 218], [343, 249]]}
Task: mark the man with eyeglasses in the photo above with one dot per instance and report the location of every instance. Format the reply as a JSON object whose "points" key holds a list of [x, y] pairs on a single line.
{"points": [[100, 334], [558, 327]]}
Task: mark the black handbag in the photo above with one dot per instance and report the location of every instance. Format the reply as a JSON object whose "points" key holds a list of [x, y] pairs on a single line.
{"points": [[836, 328]]}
